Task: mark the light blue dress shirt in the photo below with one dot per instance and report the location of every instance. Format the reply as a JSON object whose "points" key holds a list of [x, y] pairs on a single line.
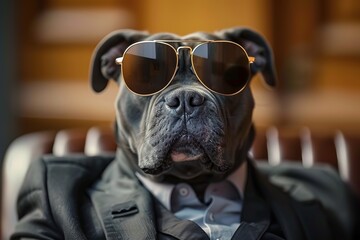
{"points": [[219, 214]]}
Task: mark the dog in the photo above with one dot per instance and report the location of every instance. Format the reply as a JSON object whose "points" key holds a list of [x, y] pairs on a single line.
{"points": [[185, 142], [183, 118]]}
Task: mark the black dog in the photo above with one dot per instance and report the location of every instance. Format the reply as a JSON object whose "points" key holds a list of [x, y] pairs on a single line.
{"points": [[188, 131], [185, 121]]}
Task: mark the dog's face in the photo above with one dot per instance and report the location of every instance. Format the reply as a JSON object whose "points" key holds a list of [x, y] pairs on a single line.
{"points": [[185, 131]]}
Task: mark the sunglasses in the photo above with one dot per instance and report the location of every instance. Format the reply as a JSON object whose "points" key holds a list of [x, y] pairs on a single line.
{"points": [[148, 67]]}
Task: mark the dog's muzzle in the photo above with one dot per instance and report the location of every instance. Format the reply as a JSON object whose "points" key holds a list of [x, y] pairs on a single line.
{"points": [[183, 126]]}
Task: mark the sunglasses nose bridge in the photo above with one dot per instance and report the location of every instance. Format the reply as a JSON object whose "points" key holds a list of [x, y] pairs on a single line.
{"points": [[190, 64], [184, 47], [184, 58]]}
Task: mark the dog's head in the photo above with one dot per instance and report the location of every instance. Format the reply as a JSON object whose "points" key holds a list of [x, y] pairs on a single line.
{"points": [[185, 131]]}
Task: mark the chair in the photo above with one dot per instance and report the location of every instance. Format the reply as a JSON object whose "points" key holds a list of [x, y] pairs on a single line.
{"points": [[284, 145], [348, 155], [321, 147]]}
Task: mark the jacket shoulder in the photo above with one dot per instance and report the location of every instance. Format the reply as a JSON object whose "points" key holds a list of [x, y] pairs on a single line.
{"points": [[42, 171], [50, 191], [319, 183]]}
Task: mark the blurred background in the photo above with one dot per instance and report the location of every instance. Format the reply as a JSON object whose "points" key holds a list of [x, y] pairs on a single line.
{"points": [[46, 46]]}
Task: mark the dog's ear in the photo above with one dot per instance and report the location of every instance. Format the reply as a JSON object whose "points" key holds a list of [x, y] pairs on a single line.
{"points": [[256, 46], [103, 66]]}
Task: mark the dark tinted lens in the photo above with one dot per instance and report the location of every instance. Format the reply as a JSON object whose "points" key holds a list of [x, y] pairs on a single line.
{"points": [[148, 67], [222, 66]]}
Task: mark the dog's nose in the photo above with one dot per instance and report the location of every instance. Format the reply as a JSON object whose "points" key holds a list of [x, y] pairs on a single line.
{"points": [[186, 100]]}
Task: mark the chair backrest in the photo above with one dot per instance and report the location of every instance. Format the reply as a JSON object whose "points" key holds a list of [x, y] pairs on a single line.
{"points": [[348, 152], [335, 148], [275, 145]]}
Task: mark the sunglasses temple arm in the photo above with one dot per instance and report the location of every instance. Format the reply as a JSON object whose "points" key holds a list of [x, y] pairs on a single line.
{"points": [[251, 59], [119, 60]]}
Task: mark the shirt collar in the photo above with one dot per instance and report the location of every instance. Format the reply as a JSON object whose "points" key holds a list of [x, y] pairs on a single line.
{"points": [[163, 191]]}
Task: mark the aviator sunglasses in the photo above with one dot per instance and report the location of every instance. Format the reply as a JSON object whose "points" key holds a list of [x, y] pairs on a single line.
{"points": [[148, 67]]}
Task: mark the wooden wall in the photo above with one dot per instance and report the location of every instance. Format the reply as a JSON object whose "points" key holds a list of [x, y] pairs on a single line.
{"points": [[316, 45]]}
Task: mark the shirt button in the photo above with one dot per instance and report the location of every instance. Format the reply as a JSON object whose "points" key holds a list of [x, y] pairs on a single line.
{"points": [[183, 191]]}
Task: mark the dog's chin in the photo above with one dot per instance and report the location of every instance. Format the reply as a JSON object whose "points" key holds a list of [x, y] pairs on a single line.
{"points": [[191, 171], [187, 159], [187, 163], [188, 171]]}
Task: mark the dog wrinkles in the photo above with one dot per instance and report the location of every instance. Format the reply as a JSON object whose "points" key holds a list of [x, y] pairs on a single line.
{"points": [[172, 139]]}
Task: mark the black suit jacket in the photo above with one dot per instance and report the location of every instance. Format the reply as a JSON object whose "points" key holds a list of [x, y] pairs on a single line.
{"points": [[82, 197]]}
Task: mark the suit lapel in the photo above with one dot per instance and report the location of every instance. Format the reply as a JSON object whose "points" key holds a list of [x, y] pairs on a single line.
{"points": [[309, 211], [312, 216], [255, 217], [281, 206], [284, 213], [125, 215], [170, 225], [250, 231]]}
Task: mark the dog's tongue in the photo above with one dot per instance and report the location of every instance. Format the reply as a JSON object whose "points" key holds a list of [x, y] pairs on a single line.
{"points": [[186, 149]]}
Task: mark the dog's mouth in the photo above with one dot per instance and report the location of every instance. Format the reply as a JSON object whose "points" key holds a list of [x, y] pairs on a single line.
{"points": [[186, 148], [187, 158]]}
